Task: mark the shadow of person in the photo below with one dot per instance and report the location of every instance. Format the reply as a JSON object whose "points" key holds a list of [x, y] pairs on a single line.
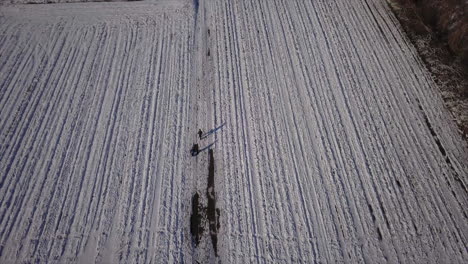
{"points": [[207, 147], [214, 130]]}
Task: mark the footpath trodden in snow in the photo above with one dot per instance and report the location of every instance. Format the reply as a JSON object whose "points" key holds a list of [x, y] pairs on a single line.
{"points": [[325, 139]]}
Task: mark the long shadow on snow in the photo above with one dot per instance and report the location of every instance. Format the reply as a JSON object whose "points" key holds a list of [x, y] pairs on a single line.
{"points": [[207, 147], [214, 130]]}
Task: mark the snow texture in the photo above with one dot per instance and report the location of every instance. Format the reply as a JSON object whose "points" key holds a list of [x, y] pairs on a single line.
{"points": [[330, 141]]}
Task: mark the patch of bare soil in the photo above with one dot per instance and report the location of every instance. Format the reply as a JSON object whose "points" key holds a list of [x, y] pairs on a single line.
{"points": [[439, 31]]}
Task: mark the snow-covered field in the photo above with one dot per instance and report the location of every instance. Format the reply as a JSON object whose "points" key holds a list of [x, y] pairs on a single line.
{"points": [[329, 138]]}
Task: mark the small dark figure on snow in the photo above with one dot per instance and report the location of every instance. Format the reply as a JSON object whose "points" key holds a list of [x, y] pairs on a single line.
{"points": [[200, 133], [195, 150]]}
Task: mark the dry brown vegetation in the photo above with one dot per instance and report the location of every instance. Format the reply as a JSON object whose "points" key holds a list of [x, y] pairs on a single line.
{"points": [[439, 31], [446, 19]]}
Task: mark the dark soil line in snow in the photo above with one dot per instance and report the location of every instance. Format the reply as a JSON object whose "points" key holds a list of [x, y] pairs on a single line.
{"points": [[196, 4], [444, 154]]}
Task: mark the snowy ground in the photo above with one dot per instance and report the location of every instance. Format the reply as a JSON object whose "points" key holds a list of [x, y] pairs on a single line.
{"points": [[330, 141]]}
